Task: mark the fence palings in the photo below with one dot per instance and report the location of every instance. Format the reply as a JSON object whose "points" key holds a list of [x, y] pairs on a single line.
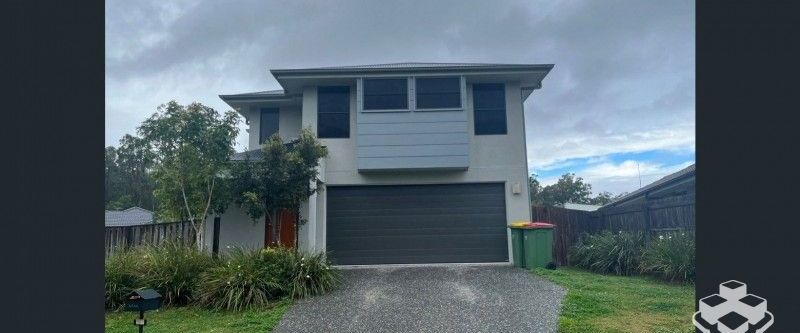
{"points": [[670, 214], [124, 237]]}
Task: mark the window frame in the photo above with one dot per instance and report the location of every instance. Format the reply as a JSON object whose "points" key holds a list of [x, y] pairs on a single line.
{"points": [[347, 123], [461, 92], [475, 109], [261, 112], [362, 93]]}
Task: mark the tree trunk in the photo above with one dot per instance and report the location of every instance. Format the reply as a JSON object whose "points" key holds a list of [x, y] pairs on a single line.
{"points": [[278, 226], [198, 235], [273, 218], [296, 229]]}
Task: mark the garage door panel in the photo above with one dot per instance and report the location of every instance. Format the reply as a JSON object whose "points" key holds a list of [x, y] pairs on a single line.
{"points": [[444, 212], [416, 224], [379, 223], [401, 258], [405, 230], [428, 201], [442, 241], [416, 190], [411, 232]]}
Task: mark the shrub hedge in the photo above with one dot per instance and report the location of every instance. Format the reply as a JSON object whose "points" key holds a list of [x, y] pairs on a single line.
{"points": [[669, 256], [606, 252], [237, 280]]}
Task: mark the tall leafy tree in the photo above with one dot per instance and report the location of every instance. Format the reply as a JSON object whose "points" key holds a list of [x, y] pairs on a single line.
{"points": [[568, 188], [284, 177], [135, 159], [114, 179], [191, 147], [535, 189], [127, 175]]}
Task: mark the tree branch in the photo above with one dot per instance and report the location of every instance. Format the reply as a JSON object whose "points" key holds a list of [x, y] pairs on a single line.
{"points": [[186, 202]]}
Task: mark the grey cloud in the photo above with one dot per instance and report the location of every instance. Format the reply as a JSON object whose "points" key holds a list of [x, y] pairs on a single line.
{"points": [[623, 68]]}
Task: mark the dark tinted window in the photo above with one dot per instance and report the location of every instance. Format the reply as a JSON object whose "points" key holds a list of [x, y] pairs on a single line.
{"points": [[269, 123], [333, 112], [489, 102], [385, 94], [438, 93]]}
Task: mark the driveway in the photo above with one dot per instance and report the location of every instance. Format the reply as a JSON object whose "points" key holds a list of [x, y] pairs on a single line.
{"points": [[451, 298]]}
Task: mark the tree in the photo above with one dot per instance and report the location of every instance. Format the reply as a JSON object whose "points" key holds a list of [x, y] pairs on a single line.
{"points": [[569, 188], [191, 147], [284, 177], [601, 198], [535, 190], [127, 175], [113, 177]]}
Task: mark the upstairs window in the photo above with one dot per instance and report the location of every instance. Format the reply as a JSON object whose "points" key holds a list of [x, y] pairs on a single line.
{"points": [[269, 123], [489, 104], [333, 112], [386, 94], [438, 93]]}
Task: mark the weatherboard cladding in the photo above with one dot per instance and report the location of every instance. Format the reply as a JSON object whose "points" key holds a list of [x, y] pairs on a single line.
{"points": [[406, 140], [412, 139]]}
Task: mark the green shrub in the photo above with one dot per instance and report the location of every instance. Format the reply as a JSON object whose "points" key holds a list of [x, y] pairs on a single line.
{"points": [[313, 275], [606, 252], [671, 257], [120, 278], [173, 269], [252, 278], [246, 279]]}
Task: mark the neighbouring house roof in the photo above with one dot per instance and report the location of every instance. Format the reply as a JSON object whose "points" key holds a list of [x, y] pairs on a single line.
{"points": [[130, 216], [583, 207], [254, 154], [677, 177]]}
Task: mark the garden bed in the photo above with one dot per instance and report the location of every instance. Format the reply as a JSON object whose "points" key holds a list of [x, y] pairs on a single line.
{"points": [[609, 303], [195, 319]]}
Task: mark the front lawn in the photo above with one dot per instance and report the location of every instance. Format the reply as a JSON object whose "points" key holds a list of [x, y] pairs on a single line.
{"points": [[199, 320], [610, 303]]}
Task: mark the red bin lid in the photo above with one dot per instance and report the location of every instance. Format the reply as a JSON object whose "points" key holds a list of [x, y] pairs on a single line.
{"points": [[541, 225]]}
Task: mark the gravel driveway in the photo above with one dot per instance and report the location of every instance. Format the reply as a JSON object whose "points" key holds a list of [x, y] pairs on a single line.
{"points": [[451, 298]]}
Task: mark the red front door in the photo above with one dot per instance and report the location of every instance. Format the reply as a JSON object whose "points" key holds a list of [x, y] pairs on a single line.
{"points": [[287, 233]]}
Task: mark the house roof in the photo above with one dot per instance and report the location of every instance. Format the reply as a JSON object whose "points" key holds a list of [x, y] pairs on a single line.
{"points": [[415, 65], [583, 207], [254, 154], [259, 95], [130, 216], [663, 182], [533, 73]]}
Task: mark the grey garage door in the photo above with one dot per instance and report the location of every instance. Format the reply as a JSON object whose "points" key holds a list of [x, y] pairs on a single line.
{"points": [[416, 224]]}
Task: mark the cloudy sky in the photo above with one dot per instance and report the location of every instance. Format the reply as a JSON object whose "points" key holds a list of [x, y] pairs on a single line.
{"points": [[618, 105]]}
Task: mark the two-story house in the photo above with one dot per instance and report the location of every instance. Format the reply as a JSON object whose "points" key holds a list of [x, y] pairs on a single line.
{"points": [[427, 161]]}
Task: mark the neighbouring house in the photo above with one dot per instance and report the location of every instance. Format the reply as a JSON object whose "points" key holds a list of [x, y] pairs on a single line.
{"points": [[427, 161], [583, 207], [678, 185], [127, 217]]}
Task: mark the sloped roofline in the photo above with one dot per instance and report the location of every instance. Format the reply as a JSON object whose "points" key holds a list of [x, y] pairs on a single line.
{"points": [[417, 67]]}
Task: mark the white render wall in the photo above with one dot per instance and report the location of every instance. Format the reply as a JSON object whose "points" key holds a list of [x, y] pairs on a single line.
{"points": [[236, 230], [493, 158], [288, 124]]}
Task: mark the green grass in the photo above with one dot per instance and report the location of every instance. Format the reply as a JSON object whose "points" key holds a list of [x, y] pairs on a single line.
{"points": [[610, 303], [195, 319]]}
